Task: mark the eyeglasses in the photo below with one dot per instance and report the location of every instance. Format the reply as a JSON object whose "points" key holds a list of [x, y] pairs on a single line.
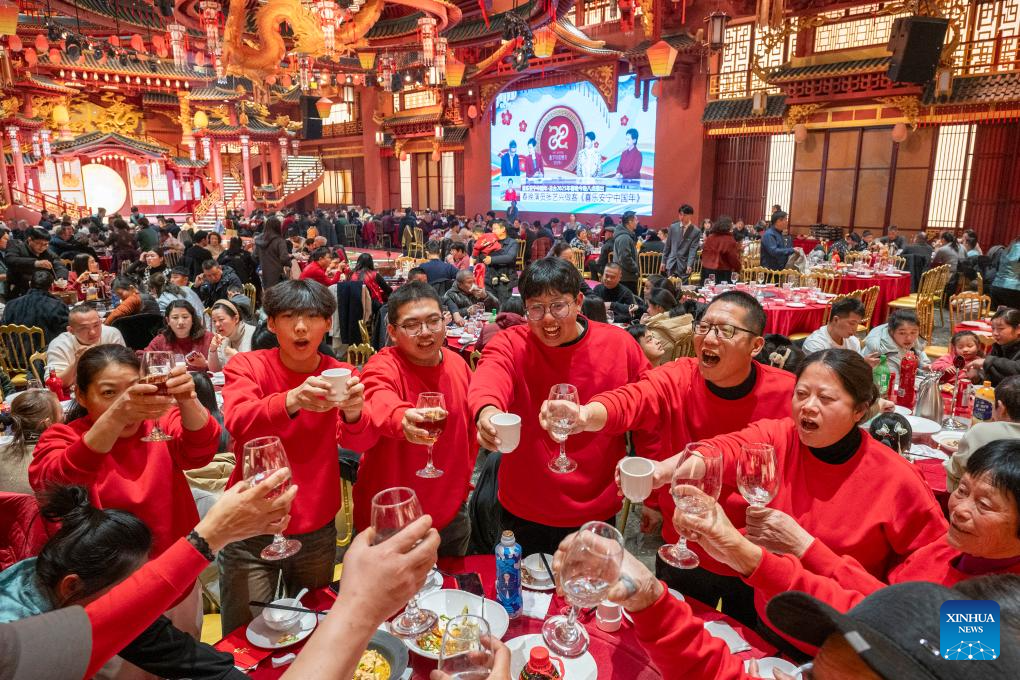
{"points": [[722, 330], [414, 328], [558, 309]]}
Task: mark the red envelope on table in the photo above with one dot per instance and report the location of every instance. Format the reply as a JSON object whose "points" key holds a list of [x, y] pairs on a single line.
{"points": [[246, 655]]}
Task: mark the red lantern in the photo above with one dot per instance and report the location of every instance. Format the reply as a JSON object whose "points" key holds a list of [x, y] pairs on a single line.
{"points": [[41, 43], [270, 80], [14, 42], [54, 55], [472, 112], [288, 82], [31, 58], [199, 59], [436, 155], [403, 156], [137, 44], [114, 40], [661, 57], [323, 106]]}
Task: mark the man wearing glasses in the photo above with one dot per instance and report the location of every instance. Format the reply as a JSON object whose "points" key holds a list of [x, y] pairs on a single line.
{"points": [[517, 370], [720, 390], [395, 444]]}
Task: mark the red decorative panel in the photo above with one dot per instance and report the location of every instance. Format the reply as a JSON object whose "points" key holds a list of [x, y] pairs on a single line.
{"points": [[740, 174], [993, 202]]}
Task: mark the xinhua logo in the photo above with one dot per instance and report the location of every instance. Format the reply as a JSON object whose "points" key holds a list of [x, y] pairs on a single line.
{"points": [[969, 630]]}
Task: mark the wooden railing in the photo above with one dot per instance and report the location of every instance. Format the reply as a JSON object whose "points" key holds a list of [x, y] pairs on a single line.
{"points": [[39, 201], [208, 202], [342, 129]]}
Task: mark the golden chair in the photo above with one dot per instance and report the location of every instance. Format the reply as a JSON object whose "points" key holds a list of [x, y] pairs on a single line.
{"points": [[580, 260], [926, 288], [345, 518], [858, 256], [827, 282], [968, 307], [649, 264], [521, 251], [473, 359], [869, 296], [17, 345], [838, 298], [900, 262], [695, 277], [925, 311], [38, 357], [363, 329], [357, 355], [249, 290], [171, 258]]}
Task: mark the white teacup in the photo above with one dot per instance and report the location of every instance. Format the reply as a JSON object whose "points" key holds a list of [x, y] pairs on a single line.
{"points": [[508, 429], [636, 478], [337, 379]]}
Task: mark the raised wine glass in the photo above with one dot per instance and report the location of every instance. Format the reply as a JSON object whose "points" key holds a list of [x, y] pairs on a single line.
{"points": [[761, 278], [392, 510], [434, 406], [590, 568], [563, 403], [156, 367], [757, 474], [262, 457], [698, 470], [464, 654]]}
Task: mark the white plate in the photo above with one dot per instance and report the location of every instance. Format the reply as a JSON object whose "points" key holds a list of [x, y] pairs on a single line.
{"points": [[533, 563], [581, 668], [433, 582], [902, 410], [454, 332], [922, 427], [944, 440], [261, 635], [466, 339], [767, 665], [795, 304], [451, 603]]}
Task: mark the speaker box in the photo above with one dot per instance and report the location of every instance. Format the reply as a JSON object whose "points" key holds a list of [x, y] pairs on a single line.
{"points": [[916, 44], [311, 123]]}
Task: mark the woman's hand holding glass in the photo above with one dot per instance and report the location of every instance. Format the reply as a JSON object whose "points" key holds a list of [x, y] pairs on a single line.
{"points": [[697, 476], [777, 532], [718, 537], [636, 589]]}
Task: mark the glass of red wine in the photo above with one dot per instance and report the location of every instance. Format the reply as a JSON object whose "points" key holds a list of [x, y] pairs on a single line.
{"points": [[434, 407], [262, 457], [392, 510], [156, 367]]}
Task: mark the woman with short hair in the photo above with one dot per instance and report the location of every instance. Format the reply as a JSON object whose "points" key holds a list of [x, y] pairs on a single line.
{"points": [[1003, 359]]}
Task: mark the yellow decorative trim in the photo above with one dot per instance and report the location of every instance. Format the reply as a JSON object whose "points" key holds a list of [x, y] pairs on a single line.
{"points": [[909, 106], [800, 113]]}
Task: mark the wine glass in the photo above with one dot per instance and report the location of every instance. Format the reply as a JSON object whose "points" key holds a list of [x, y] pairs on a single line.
{"points": [[392, 510], [563, 403], [610, 317], [698, 474], [434, 406], [262, 457], [156, 368], [463, 653], [734, 278], [590, 568], [761, 278], [710, 280], [757, 474]]}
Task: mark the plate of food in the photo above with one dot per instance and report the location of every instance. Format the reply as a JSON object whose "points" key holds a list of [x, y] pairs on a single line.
{"points": [[950, 441], [534, 575], [467, 339], [454, 332], [795, 304], [579, 668], [385, 659], [433, 582], [448, 604], [260, 634]]}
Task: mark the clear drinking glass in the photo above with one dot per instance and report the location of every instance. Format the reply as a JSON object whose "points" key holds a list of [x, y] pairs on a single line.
{"points": [[262, 457], [434, 406], [698, 470], [392, 510], [156, 367], [710, 280], [590, 568], [761, 278], [757, 474], [563, 403], [464, 654], [734, 278]]}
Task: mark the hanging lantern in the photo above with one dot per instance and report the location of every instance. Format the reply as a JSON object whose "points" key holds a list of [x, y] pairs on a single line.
{"points": [[436, 155], [454, 71], [386, 71], [427, 32], [177, 32], [211, 23], [36, 149], [472, 112], [661, 57], [14, 42], [305, 74], [759, 102], [717, 22], [54, 55], [440, 131], [45, 134], [800, 133], [41, 43], [442, 47], [31, 58], [201, 120], [899, 133], [367, 60], [327, 13], [380, 138], [944, 82], [60, 115], [323, 106], [544, 42], [137, 44]]}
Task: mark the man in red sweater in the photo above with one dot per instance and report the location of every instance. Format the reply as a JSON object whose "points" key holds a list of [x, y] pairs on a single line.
{"points": [[396, 443], [280, 392], [720, 390], [318, 268], [518, 368]]}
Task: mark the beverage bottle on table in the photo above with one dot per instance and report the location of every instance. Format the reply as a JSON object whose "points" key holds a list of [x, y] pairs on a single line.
{"points": [[55, 385], [984, 404], [540, 666], [880, 374], [908, 371], [508, 574]]}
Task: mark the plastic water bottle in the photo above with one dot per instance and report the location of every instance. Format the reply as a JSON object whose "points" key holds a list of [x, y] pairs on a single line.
{"points": [[984, 404], [508, 574], [880, 375]]}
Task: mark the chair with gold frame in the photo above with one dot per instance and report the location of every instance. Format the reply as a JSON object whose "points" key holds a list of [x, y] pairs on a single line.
{"points": [[358, 354], [827, 282], [345, 518], [869, 296], [833, 301], [473, 359], [695, 277], [363, 329], [968, 307], [521, 251], [858, 256], [649, 264], [33, 363], [252, 293], [17, 345], [580, 260]]}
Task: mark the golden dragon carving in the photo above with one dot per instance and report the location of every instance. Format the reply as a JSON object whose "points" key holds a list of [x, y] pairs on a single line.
{"points": [[257, 61]]}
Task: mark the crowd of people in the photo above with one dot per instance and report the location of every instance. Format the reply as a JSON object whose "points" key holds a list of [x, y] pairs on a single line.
{"points": [[131, 537]]}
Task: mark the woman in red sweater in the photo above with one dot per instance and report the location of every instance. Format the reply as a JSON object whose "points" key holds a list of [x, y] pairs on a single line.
{"points": [[720, 254], [321, 267], [103, 449], [183, 334], [395, 446]]}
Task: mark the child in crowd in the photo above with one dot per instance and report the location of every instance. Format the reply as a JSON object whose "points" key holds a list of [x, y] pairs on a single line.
{"points": [[965, 344]]}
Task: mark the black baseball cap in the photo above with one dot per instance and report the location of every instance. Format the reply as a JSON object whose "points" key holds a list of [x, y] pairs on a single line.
{"points": [[895, 630], [181, 271]]}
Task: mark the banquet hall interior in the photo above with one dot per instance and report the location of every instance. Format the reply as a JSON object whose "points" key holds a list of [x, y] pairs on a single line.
{"points": [[573, 259]]}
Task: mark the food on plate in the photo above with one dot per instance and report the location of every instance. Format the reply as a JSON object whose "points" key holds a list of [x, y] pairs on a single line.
{"points": [[373, 666], [953, 444], [432, 639], [286, 639]]}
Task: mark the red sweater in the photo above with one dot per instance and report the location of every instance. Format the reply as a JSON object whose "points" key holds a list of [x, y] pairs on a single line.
{"points": [[721, 251], [515, 374], [147, 593], [254, 405], [316, 273], [675, 395], [679, 646], [392, 385], [143, 478], [178, 346], [630, 164]]}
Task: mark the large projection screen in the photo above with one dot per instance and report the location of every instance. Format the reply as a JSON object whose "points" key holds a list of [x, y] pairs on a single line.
{"points": [[560, 149]]}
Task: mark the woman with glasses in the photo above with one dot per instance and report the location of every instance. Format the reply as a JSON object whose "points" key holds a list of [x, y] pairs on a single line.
{"points": [[830, 470], [395, 445]]}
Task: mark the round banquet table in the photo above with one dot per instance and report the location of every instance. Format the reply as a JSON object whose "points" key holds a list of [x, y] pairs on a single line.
{"points": [[783, 319], [890, 287], [805, 243], [618, 655]]}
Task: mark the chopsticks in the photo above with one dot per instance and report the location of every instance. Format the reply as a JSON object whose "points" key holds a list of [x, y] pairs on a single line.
{"points": [[270, 605], [545, 563]]}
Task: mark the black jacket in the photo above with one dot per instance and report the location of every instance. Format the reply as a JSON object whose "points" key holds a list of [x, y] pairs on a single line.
{"points": [[620, 299], [193, 258], [242, 262], [38, 308], [1002, 362], [625, 254], [211, 292], [21, 264]]}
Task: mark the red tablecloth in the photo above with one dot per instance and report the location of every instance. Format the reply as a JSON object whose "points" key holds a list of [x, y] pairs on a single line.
{"points": [[890, 287], [935, 475], [804, 243], [618, 655], [779, 318]]}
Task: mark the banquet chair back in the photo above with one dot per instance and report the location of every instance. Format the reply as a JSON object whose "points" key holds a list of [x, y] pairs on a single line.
{"points": [[363, 329], [37, 364], [139, 329], [578, 258], [351, 235], [858, 256], [751, 257], [17, 345], [869, 296], [649, 264], [521, 252], [695, 277], [838, 298], [827, 282], [925, 311], [171, 258], [252, 294], [968, 307], [473, 359], [358, 354], [900, 262]]}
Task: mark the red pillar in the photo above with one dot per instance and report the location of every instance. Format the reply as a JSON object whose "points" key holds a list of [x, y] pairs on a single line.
{"points": [[377, 176], [249, 202], [19, 161], [274, 164], [217, 164]]}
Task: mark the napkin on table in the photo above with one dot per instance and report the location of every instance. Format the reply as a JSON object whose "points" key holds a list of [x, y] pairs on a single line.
{"points": [[726, 633], [536, 604]]}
